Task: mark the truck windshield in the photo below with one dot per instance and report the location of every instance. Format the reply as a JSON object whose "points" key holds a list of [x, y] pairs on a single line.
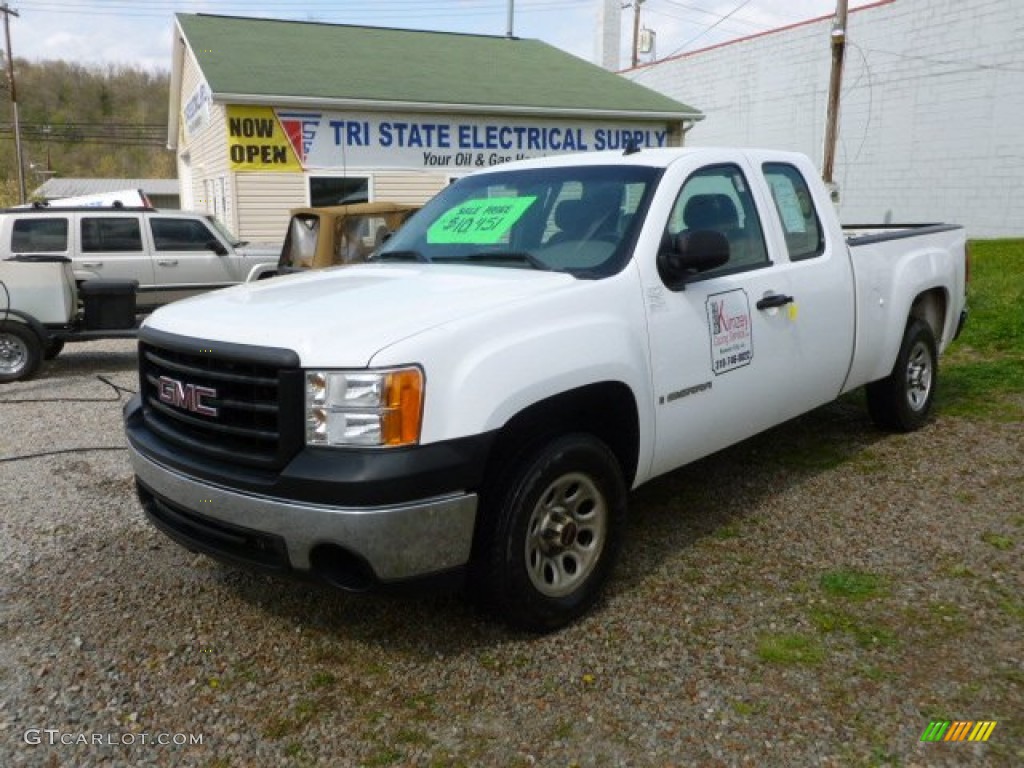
{"points": [[580, 220]]}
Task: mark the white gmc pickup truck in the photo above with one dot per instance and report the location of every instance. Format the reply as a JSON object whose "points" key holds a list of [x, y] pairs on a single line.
{"points": [[540, 338]]}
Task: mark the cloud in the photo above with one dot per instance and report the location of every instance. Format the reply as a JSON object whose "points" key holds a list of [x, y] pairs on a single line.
{"points": [[143, 42]]}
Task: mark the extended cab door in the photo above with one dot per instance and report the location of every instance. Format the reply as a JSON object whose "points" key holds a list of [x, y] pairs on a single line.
{"points": [[749, 344], [188, 257]]}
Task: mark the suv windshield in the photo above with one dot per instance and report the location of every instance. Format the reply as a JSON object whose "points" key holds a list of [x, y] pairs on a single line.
{"points": [[580, 220], [224, 231]]}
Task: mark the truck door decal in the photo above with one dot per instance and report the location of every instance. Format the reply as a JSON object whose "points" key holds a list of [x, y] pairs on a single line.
{"points": [[732, 339], [479, 221]]}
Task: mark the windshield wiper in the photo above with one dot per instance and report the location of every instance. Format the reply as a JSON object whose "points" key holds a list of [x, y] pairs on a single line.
{"points": [[400, 256], [519, 257]]}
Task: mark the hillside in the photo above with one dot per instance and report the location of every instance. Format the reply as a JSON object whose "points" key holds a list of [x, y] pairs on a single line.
{"points": [[84, 122]]}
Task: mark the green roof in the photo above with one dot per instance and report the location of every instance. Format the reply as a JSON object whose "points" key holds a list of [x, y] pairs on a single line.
{"points": [[329, 62]]}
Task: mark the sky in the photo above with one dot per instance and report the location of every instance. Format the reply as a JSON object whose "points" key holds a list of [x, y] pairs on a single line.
{"points": [[138, 33]]}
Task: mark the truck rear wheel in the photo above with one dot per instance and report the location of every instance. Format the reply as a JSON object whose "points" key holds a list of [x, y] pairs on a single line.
{"points": [[558, 524], [20, 352], [903, 400]]}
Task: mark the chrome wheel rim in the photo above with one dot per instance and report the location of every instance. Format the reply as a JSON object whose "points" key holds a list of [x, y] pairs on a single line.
{"points": [[566, 534], [919, 376], [13, 353]]}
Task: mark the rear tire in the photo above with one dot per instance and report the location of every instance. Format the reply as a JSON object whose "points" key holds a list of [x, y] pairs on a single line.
{"points": [[557, 524], [903, 400], [20, 352]]}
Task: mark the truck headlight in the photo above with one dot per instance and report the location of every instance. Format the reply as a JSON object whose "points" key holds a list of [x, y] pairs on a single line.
{"points": [[364, 408]]}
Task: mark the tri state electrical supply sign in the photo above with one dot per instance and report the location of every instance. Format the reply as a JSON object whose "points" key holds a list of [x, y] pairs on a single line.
{"points": [[267, 139]]}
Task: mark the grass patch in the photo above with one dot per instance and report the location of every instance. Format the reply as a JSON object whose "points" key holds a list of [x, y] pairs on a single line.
{"points": [[730, 531], [864, 633], [853, 584], [960, 571], [983, 374], [322, 680], [812, 455], [413, 738], [997, 540], [293, 722], [790, 648], [1014, 609], [384, 756]]}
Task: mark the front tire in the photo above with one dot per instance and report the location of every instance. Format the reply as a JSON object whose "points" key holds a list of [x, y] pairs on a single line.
{"points": [[558, 520], [903, 400], [20, 352]]}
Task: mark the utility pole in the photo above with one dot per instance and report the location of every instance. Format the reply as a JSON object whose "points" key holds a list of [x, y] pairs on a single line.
{"points": [[511, 18], [8, 12], [636, 31], [834, 86]]}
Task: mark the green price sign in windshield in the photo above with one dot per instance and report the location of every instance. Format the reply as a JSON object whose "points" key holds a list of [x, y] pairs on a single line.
{"points": [[480, 221]]}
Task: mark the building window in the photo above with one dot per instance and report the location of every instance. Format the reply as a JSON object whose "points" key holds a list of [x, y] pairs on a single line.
{"points": [[338, 190]]}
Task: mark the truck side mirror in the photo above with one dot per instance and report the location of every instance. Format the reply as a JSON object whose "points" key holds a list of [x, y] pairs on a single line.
{"points": [[691, 253], [217, 247]]}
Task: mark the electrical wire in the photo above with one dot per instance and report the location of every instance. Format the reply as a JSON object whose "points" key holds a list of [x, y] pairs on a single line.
{"points": [[62, 451], [118, 390], [693, 39]]}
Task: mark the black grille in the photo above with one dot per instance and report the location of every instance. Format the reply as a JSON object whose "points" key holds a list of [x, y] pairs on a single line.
{"points": [[258, 403], [218, 539]]}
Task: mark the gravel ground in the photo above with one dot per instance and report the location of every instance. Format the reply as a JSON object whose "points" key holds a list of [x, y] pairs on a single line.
{"points": [[813, 597]]}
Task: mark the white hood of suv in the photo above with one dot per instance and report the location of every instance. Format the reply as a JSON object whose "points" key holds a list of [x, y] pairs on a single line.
{"points": [[342, 317]]}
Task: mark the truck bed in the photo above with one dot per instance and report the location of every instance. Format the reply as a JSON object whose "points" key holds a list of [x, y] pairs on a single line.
{"points": [[864, 234]]}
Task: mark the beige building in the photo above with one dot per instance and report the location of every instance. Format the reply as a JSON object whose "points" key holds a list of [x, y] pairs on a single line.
{"points": [[269, 115]]}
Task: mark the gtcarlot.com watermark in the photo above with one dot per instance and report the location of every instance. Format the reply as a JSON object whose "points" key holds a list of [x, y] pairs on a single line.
{"points": [[55, 737]]}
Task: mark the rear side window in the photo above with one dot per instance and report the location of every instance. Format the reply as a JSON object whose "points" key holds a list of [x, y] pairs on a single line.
{"points": [[180, 234], [801, 226], [111, 234], [40, 235]]}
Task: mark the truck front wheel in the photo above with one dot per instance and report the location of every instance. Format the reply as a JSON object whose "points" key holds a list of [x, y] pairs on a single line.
{"points": [[557, 528], [20, 352], [903, 400]]}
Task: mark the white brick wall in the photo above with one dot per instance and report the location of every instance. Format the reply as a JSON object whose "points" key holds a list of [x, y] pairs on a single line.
{"points": [[932, 107]]}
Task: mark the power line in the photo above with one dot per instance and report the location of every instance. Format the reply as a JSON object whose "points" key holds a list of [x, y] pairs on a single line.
{"points": [[693, 39]]}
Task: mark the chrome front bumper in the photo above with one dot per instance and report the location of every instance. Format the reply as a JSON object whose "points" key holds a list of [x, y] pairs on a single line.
{"points": [[398, 542]]}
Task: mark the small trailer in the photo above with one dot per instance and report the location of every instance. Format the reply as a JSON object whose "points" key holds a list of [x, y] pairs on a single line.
{"points": [[42, 308]]}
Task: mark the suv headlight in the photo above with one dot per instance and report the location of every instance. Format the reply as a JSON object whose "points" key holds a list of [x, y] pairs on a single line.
{"points": [[364, 408]]}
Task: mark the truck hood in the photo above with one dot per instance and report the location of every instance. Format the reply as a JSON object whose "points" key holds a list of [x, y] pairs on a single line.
{"points": [[342, 317]]}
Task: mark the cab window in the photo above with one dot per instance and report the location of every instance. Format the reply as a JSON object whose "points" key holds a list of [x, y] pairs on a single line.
{"points": [[801, 226], [718, 198]]}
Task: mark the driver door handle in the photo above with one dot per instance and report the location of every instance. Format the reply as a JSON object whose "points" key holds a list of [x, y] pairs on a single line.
{"points": [[168, 262], [92, 264], [774, 300]]}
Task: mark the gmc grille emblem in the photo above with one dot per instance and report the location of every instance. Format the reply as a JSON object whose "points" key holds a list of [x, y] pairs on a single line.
{"points": [[187, 396]]}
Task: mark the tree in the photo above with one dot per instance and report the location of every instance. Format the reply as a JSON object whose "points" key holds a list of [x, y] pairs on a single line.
{"points": [[85, 122]]}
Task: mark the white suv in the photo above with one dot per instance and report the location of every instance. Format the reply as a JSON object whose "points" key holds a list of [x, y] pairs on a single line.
{"points": [[172, 254]]}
